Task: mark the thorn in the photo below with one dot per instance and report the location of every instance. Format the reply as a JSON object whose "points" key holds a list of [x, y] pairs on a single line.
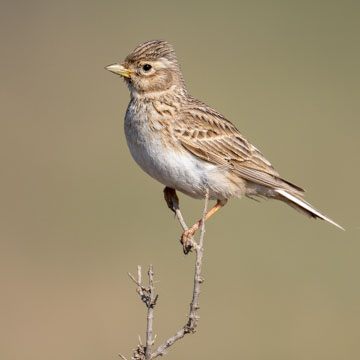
{"points": [[155, 300], [153, 341], [139, 273]]}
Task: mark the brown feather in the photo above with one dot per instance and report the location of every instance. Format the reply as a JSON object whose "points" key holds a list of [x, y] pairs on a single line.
{"points": [[211, 137]]}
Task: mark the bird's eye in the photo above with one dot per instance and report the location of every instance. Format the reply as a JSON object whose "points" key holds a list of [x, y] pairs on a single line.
{"points": [[146, 67]]}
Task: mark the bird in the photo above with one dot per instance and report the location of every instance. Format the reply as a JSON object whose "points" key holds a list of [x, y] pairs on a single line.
{"points": [[188, 146]]}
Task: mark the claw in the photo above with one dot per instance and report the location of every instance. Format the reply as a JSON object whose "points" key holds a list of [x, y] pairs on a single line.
{"points": [[186, 240]]}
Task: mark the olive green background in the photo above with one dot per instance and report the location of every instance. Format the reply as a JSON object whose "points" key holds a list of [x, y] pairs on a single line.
{"points": [[77, 213]]}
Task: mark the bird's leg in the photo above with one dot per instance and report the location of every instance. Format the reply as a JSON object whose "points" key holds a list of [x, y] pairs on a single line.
{"points": [[189, 233], [173, 203], [171, 199]]}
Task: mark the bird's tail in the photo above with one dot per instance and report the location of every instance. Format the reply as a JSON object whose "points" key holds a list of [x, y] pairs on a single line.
{"points": [[303, 206]]}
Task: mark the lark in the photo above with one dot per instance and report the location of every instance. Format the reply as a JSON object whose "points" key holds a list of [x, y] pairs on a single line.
{"points": [[188, 146]]}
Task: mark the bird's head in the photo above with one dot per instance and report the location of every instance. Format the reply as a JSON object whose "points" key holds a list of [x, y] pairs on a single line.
{"points": [[151, 68]]}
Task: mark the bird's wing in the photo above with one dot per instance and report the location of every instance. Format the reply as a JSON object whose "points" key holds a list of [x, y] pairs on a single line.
{"points": [[209, 136]]}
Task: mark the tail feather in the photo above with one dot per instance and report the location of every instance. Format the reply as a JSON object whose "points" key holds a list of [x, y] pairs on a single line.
{"points": [[304, 207]]}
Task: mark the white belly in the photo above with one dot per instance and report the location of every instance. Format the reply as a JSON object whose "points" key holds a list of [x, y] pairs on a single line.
{"points": [[180, 169]]}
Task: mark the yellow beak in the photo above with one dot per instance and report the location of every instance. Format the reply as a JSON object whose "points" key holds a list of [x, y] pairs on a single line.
{"points": [[119, 70]]}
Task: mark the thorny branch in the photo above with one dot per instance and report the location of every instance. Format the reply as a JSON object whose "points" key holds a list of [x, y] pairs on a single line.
{"points": [[149, 298]]}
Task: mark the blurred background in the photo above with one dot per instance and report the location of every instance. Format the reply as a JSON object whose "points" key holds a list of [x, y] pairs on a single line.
{"points": [[77, 213]]}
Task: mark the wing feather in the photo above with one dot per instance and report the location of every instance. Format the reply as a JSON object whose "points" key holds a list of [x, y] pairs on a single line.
{"points": [[209, 136]]}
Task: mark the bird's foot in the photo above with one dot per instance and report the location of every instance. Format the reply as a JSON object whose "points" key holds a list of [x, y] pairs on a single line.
{"points": [[187, 240]]}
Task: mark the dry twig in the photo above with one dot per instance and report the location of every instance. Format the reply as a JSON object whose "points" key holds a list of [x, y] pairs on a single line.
{"points": [[149, 298]]}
